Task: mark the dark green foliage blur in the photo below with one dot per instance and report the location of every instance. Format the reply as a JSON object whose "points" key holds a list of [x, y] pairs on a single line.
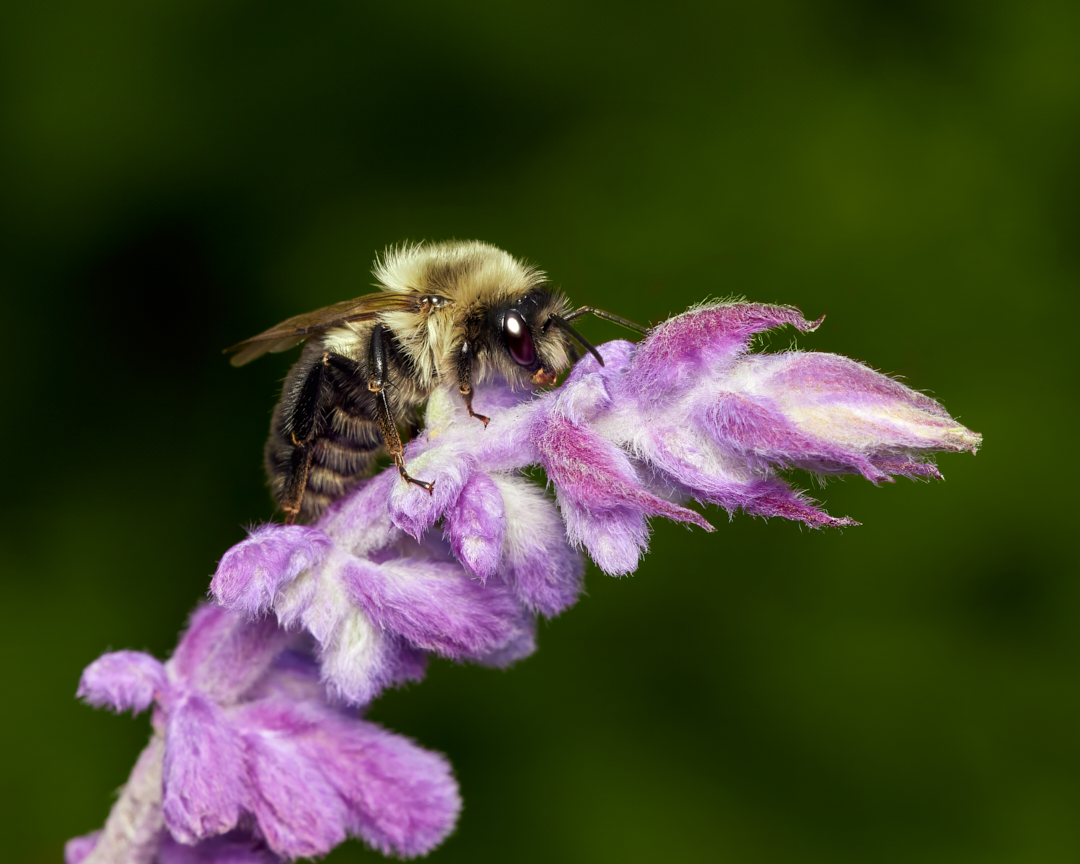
{"points": [[178, 175]]}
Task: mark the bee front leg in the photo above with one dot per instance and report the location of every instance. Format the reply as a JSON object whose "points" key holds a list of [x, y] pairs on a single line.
{"points": [[378, 379], [464, 371]]}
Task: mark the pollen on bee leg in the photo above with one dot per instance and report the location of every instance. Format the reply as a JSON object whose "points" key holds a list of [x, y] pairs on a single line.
{"points": [[544, 377]]}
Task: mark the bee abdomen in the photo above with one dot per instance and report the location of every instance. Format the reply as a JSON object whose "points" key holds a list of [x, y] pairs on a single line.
{"points": [[341, 454], [344, 457], [357, 428]]}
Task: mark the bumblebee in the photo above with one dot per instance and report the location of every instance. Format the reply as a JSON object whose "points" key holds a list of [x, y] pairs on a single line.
{"points": [[463, 312]]}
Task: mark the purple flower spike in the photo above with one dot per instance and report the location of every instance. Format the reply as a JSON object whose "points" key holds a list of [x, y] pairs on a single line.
{"points": [[701, 418], [242, 723], [252, 708], [686, 414], [390, 589]]}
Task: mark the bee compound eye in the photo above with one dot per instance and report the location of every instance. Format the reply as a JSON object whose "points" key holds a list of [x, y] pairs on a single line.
{"points": [[518, 339]]}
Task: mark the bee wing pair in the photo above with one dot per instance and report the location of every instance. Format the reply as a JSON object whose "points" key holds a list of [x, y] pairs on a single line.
{"points": [[295, 330]]}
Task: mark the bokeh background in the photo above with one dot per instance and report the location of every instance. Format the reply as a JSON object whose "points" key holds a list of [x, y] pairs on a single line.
{"points": [[177, 175]]}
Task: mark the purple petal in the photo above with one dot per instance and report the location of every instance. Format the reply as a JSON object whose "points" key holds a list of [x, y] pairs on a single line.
{"points": [[403, 799], [433, 604], [297, 809], [414, 509], [775, 498], [753, 428], [591, 389], [356, 778], [204, 775], [602, 500], [701, 342], [542, 569], [520, 645], [675, 453], [507, 443], [293, 676], [236, 847], [734, 484], [222, 653], [253, 571], [360, 661], [853, 412], [123, 680], [475, 525], [503, 445], [78, 848], [911, 467], [360, 522]]}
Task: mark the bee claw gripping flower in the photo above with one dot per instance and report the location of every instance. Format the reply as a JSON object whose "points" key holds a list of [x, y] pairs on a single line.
{"points": [[250, 708]]}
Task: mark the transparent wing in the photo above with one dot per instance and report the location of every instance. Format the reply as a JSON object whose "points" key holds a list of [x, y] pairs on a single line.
{"points": [[298, 328]]}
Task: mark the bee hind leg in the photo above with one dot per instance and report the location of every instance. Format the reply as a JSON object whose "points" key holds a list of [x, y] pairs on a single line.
{"points": [[299, 469], [303, 428]]}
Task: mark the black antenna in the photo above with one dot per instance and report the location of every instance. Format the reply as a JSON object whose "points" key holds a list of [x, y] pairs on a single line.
{"points": [[607, 316], [581, 340]]}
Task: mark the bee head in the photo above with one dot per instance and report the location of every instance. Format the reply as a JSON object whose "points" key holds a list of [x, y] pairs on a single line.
{"points": [[527, 345]]}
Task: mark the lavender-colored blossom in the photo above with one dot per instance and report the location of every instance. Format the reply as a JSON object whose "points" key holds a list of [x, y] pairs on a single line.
{"points": [[251, 707], [392, 572], [383, 590], [236, 847], [241, 723]]}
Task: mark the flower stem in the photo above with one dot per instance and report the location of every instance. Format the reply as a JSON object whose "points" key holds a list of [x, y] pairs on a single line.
{"points": [[132, 833]]}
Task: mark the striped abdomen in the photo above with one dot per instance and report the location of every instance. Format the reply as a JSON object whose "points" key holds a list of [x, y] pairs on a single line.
{"points": [[345, 438], [342, 453]]}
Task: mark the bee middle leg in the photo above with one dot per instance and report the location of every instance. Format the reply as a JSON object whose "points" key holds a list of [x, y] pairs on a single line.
{"points": [[464, 371], [378, 379]]}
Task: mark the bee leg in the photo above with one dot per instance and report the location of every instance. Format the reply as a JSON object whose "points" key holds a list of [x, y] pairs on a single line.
{"points": [[303, 427], [464, 371], [378, 378], [393, 441], [299, 467]]}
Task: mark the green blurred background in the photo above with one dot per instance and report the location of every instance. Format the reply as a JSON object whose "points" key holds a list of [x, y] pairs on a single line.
{"points": [[176, 176]]}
